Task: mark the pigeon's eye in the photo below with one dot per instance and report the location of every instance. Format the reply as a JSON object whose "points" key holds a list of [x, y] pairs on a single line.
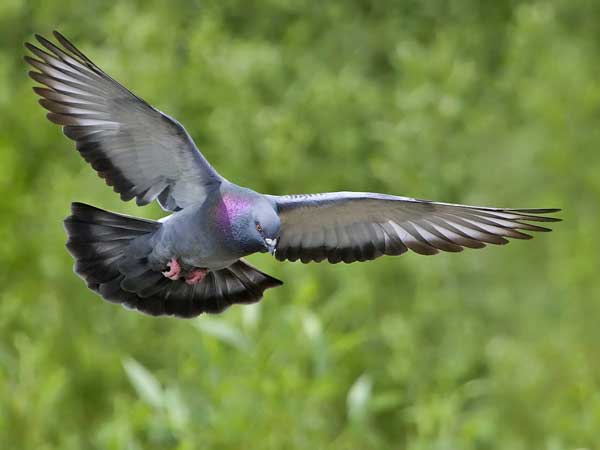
{"points": [[259, 227]]}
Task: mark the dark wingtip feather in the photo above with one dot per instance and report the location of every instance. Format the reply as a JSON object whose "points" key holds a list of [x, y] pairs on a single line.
{"points": [[531, 227], [515, 234], [45, 103], [530, 218], [39, 90], [45, 42], [537, 210], [55, 118], [74, 50], [534, 214], [63, 40], [35, 76], [29, 46]]}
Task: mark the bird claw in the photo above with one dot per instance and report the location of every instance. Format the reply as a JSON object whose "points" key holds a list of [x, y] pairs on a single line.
{"points": [[195, 276], [174, 272]]}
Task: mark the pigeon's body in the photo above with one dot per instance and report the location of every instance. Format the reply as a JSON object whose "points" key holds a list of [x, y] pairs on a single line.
{"points": [[210, 234], [192, 261]]}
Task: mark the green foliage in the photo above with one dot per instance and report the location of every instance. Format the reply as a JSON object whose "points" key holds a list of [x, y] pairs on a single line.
{"points": [[491, 103]]}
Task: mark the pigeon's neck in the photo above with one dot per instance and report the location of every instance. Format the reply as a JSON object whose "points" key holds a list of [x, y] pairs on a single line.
{"points": [[232, 208]]}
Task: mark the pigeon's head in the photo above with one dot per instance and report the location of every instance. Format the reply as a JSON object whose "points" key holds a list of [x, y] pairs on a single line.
{"points": [[252, 220], [265, 225]]}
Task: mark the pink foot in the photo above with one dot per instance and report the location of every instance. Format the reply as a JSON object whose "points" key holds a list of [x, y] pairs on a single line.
{"points": [[174, 272], [195, 276]]}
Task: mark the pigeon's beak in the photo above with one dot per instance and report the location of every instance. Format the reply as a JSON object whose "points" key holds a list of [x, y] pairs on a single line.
{"points": [[271, 245]]}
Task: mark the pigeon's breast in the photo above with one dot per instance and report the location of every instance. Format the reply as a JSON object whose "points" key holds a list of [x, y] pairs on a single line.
{"points": [[192, 237]]}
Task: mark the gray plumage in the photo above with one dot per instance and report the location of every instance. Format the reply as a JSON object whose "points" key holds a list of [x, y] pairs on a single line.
{"points": [[192, 261]]}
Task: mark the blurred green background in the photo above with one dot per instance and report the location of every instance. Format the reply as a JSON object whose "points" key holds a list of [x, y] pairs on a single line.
{"points": [[493, 103]]}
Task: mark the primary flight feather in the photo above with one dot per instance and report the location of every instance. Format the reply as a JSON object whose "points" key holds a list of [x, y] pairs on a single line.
{"points": [[192, 261]]}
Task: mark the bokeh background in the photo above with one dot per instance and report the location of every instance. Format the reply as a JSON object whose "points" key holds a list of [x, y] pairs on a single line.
{"points": [[492, 103]]}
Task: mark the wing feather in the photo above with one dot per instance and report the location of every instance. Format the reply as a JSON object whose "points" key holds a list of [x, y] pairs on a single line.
{"points": [[139, 151], [351, 226]]}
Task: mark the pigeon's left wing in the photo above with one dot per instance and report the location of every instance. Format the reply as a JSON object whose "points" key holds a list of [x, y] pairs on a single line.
{"points": [[355, 226], [138, 150]]}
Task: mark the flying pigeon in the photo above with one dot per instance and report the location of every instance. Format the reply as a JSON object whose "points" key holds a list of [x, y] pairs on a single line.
{"points": [[192, 261]]}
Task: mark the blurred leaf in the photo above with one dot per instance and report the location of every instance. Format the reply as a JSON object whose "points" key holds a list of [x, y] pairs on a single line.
{"points": [[312, 326], [177, 410], [223, 332], [145, 384], [359, 396], [251, 316]]}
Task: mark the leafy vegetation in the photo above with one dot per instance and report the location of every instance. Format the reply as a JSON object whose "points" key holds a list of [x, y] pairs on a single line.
{"points": [[493, 103]]}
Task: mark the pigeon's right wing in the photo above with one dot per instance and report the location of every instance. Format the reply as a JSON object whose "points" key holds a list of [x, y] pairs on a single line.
{"points": [[138, 150], [359, 226]]}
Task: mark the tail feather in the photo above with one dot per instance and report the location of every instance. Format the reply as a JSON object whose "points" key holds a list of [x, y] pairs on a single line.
{"points": [[102, 244], [98, 240], [238, 283]]}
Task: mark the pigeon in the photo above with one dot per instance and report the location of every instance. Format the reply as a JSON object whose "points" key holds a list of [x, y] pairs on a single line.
{"points": [[192, 261]]}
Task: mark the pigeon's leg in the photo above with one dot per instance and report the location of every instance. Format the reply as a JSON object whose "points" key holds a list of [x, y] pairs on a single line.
{"points": [[195, 276], [174, 272]]}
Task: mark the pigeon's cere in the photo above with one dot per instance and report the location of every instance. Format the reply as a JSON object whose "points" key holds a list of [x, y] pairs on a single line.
{"points": [[147, 155]]}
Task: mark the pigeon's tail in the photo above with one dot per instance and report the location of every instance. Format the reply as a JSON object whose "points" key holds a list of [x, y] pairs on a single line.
{"points": [[111, 250], [101, 243]]}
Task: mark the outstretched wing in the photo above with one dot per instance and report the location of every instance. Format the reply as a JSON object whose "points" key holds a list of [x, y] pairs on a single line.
{"points": [[355, 226], [138, 150]]}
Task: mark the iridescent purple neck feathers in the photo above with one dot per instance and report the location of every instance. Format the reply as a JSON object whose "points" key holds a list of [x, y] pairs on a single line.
{"points": [[230, 209]]}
